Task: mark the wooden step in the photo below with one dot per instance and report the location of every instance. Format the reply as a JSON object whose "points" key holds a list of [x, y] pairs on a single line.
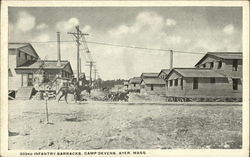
{"points": [[24, 93]]}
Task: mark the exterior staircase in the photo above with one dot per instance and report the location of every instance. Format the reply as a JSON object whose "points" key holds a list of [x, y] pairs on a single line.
{"points": [[24, 93]]}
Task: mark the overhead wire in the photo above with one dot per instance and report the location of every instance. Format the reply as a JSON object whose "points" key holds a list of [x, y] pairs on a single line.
{"points": [[128, 46]]}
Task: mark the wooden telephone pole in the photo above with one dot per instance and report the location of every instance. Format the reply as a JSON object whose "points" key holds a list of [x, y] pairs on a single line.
{"points": [[78, 35], [95, 72]]}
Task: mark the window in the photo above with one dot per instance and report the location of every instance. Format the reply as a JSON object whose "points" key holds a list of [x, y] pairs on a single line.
{"points": [[181, 83], [10, 73], [152, 87], [212, 65], [134, 84], [235, 84], [195, 83], [204, 65], [170, 83], [26, 56], [235, 65], [176, 82], [219, 64], [19, 54], [30, 76], [212, 80]]}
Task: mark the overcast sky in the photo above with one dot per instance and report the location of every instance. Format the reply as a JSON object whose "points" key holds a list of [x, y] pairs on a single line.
{"points": [[192, 29]]}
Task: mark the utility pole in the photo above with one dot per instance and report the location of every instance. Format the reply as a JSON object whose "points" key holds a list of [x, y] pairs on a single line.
{"points": [[91, 64], [80, 66], [78, 35], [95, 72]]}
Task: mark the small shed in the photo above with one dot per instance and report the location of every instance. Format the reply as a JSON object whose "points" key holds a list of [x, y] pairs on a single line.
{"points": [[154, 86], [134, 84]]}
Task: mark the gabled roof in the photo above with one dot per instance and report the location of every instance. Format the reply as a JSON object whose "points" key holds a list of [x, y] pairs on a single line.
{"points": [[144, 75], [47, 64], [24, 47], [165, 71], [17, 45], [194, 72], [158, 81], [221, 55], [135, 80]]}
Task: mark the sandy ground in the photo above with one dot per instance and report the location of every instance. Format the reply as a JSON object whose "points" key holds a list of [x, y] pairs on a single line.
{"points": [[98, 125]]}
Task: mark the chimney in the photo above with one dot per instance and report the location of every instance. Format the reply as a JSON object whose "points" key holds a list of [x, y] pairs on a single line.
{"points": [[171, 60], [58, 50]]}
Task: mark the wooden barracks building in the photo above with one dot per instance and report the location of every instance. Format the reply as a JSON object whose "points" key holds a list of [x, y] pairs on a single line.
{"points": [[152, 84], [216, 75], [24, 65]]}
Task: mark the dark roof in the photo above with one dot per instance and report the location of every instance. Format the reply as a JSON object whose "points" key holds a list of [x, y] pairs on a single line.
{"points": [[195, 72], [153, 75], [153, 81], [166, 71], [24, 47], [47, 64], [135, 80], [231, 74], [221, 55]]}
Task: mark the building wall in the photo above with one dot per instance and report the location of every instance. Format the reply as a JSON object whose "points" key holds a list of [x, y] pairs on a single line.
{"points": [[162, 75], [157, 89], [14, 79], [133, 86], [226, 68], [222, 87]]}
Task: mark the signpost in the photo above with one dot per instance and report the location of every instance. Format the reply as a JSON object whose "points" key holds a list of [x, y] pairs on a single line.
{"points": [[46, 97]]}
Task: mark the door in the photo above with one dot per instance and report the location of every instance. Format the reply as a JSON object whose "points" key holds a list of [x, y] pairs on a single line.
{"points": [[30, 79]]}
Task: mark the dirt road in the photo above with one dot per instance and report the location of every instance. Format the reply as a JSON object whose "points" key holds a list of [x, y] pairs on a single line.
{"points": [[97, 125]]}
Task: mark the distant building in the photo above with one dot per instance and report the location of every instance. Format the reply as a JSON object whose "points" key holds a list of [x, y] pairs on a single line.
{"points": [[217, 74], [125, 85], [163, 73], [152, 84], [149, 75], [134, 84]]}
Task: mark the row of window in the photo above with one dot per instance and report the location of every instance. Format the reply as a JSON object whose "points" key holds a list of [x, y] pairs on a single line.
{"points": [[175, 82], [212, 65], [196, 83], [212, 80], [234, 65]]}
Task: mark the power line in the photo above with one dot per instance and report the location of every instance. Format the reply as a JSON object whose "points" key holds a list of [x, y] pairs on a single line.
{"points": [[127, 46]]}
